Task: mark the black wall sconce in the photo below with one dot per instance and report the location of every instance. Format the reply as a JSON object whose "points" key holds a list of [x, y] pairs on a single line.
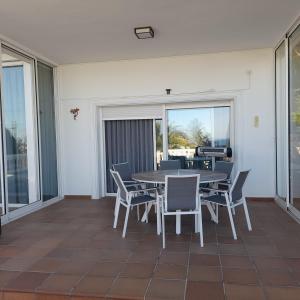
{"points": [[168, 91]]}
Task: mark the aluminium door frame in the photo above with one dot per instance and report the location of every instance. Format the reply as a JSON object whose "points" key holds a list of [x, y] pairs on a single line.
{"points": [[9, 215]]}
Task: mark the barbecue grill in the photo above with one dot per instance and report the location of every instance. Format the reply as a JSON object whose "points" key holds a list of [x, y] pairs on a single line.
{"points": [[213, 151]]}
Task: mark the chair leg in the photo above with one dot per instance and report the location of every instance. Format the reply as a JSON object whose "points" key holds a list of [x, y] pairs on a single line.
{"points": [[200, 226], [196, 223], [117, 209], [233, 210], [247, 215], [163, 230], [126, 221], [138, 212], [231, 222], [146, 211], [158, 217]]}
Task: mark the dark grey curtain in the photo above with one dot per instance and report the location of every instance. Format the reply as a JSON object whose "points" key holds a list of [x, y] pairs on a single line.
{"points": [[47, 131], [131, 141]]}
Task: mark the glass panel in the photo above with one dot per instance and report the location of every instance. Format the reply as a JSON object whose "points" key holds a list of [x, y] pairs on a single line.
{"points": [[281, 126], [19, 124], [188, 128], [159, 141], [47, 132], [294, 56]]}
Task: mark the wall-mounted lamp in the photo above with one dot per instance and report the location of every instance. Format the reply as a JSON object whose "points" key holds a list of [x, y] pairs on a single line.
{"points": [[168, 91], [75, 112]]}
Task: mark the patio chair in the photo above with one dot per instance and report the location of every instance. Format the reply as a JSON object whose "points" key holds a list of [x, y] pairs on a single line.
{"points": [[231, 198], [124, 170], [182, 198], [224, 167], [130, 199], [169, 164]]}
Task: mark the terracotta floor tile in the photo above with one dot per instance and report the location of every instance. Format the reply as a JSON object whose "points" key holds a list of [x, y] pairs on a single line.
{"points": [[243, 292], [132, 288], [18, 263], [166, 289], [26, 281], [168, 271], [174, 258], [58, 283], [6, 276], [106, 269], [204, 260], [265, 263], [240, 276], [277, 277], [203, 273], [18, 296], [137, 270], [282, 293], [75, 267], [232, 261], [211, 249], [204, 290], [232, 249], [93, 286], [46, 265]]}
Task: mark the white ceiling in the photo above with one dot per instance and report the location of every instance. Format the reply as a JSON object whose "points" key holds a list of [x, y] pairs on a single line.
{"points": [[73, 31]]}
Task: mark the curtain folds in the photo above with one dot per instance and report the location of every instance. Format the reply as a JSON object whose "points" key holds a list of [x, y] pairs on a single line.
{"points": [[128, 141]]}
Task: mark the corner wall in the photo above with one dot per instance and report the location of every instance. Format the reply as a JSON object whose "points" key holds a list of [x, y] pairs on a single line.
{"points": [[247, 75]]}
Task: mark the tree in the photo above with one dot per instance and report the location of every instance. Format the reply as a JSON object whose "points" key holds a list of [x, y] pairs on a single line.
{"points": [[198, 136]]}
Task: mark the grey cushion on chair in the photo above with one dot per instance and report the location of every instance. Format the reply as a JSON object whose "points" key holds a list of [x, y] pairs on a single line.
{"points": [[237, 189], [169, 165], [124, 171], [224, 167], [142, 199], [181, 193], [218, 199]]}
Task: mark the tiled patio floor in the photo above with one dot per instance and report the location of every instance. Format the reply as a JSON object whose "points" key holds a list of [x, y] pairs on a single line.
{"points": [[70, 251]]}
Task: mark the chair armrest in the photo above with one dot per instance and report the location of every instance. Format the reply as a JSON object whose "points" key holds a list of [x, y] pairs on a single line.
{"points": [[143, 190], [216, 190]]}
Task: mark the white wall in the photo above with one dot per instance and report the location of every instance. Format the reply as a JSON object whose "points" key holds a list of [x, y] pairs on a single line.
{"points": [[246, 76]]}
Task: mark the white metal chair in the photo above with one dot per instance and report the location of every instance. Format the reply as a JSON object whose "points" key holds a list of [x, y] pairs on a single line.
{"points": [[182, 198], [231, 198], [130, 199]]}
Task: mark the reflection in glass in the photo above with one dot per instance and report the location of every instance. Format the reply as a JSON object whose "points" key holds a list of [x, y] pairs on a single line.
{"points": [[294, 58], [159, 141], [192, 127], [47, 131], [281, 128], [19, 129]]}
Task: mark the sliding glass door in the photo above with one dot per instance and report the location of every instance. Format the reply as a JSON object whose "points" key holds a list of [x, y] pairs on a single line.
{"points": [[28, 161], [47, 142], [294, 91], [281, 124], [199, 126], [19, 129]]}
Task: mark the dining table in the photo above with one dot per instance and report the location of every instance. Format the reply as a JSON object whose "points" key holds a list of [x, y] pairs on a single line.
{"points": [[158, 177]]}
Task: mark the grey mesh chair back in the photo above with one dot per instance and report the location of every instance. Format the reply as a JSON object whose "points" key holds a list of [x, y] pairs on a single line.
{"points": [[236, 191], [224, 167], [120, 184], [182, 192], [169, 164], [124, 171]]}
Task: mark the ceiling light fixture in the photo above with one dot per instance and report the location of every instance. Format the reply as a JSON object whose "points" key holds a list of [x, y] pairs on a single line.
{"points": [[144, 32]]}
